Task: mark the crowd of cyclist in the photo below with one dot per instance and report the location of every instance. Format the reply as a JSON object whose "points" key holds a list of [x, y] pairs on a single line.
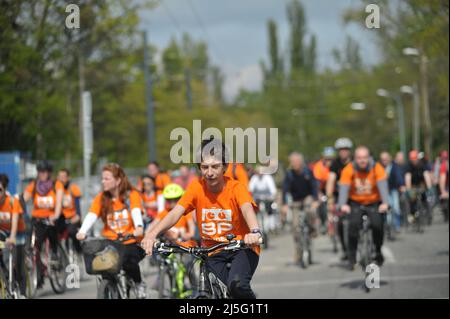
{"points": [[201, 209]]}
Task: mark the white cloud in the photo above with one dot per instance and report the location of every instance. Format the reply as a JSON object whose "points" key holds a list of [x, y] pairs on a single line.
{"points": [[249, 77]]}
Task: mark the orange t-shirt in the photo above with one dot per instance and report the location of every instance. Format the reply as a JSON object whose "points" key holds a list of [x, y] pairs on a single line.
{"points": [[7, 210], [150, 199], [321, 173], [363, 185], [162, 180], [44, 206], [180, 226], [120, 220], [219, 214], [240, 173], [68, 202]]}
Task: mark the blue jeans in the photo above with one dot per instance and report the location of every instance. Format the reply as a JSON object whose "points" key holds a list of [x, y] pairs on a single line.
{"points": [[394, 202]]}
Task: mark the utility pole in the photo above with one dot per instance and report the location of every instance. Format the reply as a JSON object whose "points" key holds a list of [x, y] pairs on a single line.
{"points": [[149, 99], [425, 103], [187, 76]]}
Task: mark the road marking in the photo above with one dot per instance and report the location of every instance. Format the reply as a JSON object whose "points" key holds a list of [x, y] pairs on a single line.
{"points": [[388, 254], [341, 281]]}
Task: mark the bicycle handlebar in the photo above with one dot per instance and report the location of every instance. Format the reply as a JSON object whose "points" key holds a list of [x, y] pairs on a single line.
{"points": [[198, 251]]}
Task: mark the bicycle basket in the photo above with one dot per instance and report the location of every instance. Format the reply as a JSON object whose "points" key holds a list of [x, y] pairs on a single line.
{"points": [[103, 256]]}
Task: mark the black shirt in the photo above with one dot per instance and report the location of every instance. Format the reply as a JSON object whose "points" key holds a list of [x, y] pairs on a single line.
{"points": [[336, 167], [299, 185], [416, 171]]}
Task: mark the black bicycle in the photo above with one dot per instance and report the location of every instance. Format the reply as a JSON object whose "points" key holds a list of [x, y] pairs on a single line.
{"points": [[104, 258], [366, 248], [209, 286]]}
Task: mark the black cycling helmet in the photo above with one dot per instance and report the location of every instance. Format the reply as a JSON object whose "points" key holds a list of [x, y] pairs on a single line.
{"points": [[44, 166]]}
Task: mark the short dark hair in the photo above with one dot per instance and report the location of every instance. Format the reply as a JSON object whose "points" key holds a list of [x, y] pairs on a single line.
{"points": [[4, 180], [213, 147], [65, 170]]}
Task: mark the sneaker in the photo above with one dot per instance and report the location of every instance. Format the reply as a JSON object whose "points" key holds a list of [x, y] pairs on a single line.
{"points": [[141, 290], [344, 257], [379, 259]]}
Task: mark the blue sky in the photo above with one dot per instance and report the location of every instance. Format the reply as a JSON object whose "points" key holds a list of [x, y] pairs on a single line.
{"points": [[236, 32]]}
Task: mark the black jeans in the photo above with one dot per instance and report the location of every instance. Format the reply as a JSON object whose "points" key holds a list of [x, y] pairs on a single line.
{"points": [[132, 256], [62, 224], [355, 224], [238, 276], [42, 232]]}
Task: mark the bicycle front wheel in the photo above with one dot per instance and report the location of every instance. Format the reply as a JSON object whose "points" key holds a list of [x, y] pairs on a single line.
{"points": [[165, 283], [57, 271], [108, 290]]}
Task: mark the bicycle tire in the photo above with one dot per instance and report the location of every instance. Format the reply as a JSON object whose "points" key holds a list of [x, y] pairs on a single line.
{"points": [[31, 273], [107, 289], [163, 291], [3, 288], [59, 284]]}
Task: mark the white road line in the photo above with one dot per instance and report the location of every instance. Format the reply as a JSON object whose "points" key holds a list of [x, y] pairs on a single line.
{"points": [[340, 281], [388, 254]]}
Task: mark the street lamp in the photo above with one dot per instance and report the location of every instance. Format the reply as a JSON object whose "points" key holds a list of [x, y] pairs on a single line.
{"points": [[423, 69], [412, 90], [401, 116]]}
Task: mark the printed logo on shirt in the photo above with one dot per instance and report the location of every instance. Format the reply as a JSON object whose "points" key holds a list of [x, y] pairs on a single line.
{"points": [[216, 221], [118, 220], [363, 186], [5, 217], [67, 201], [45, 202]]}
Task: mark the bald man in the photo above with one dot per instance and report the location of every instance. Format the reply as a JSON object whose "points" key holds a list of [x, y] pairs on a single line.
{"points": [[303, 187], [363, 184]]}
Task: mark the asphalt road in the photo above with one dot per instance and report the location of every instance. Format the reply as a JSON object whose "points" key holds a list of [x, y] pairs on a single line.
{"points": [[416, 266]]}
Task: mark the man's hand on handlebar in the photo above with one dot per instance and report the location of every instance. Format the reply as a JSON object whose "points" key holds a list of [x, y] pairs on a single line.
{"points": [[252, 239], [346, 209], [147, 244], [383, 208]]}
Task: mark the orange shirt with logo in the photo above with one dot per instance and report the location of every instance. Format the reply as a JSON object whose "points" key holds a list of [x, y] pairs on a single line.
{"points": [[44, 206], [321, 173], [7, 210], [68, 202], [363, 185], [218, 215], [120, 220]]}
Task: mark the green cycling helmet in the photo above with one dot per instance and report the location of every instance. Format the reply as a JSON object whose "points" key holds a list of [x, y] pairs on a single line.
{"points": [[173, 191]]}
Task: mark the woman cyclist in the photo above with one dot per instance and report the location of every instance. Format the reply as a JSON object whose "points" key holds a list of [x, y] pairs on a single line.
{"points": [[46, 196], [119, 206], [223, 206], [12, 225]]}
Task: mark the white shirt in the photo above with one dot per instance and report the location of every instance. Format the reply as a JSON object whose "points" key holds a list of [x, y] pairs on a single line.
{"points": [[262, 185]]}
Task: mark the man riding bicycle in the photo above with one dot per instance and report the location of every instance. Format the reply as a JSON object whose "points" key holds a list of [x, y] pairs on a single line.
{"points": [[222, 206], [363, 182], [418, 180], [71, 210], [321, 172], [396, 186], [301, 184], [344, 146]]}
